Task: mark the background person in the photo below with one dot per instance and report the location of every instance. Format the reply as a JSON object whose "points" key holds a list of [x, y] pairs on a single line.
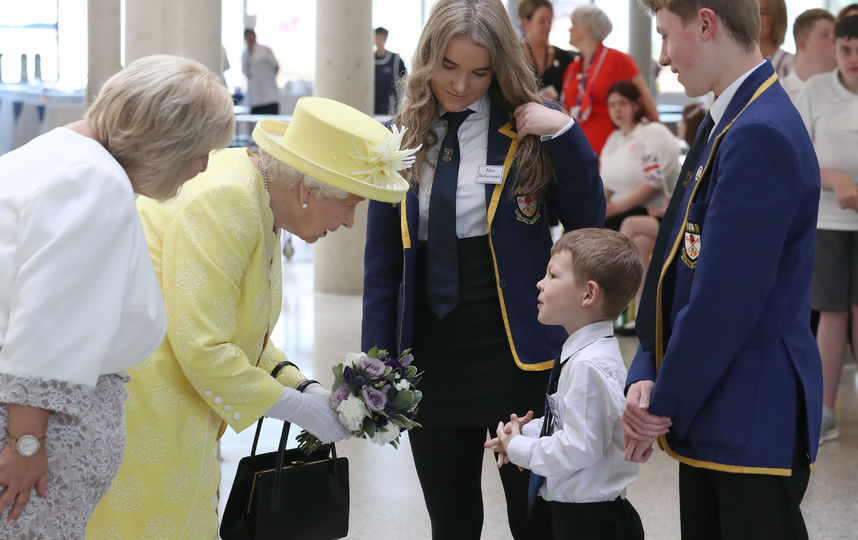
{"points": [[548, 62], [591, 74], [773, 24], [216, 249], [813, 31], [449, 272], [260, 67], [640, 160], [79, 302], [389, 69], [823, 104]]}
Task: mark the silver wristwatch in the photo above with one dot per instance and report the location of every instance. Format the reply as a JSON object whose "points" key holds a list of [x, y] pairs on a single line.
{"points": [[27, 445]]}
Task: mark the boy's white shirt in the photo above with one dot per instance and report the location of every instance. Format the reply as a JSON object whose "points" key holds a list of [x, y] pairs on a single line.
{"points": [[582, 460]]}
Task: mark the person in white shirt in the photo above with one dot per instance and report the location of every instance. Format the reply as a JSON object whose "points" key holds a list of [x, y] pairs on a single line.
{"points": [[578, 445], [813, 31], [260, 66], [640, 160], [79, 299], [828, 104]]}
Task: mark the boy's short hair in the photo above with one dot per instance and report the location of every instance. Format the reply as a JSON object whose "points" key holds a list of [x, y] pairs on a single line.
{"points": [[803, 24], [382, 31], [741, 17], [846, 28], [846, 9], [608, 258]]}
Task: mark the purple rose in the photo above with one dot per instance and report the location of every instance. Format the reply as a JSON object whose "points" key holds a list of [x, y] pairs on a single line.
{"points": [[374, 399], [372, 366], [407, 361], [339, 395]]}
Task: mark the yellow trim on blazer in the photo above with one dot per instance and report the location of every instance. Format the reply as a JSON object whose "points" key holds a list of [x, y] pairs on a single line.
{"points": [[507, 130], [659, 329], [773, 471], [403, 224]]}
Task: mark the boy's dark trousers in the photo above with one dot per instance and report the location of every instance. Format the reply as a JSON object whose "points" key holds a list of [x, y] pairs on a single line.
{"points": [[609, 520]]}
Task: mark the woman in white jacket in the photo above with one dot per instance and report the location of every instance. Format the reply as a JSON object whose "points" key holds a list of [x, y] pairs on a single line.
{"points": [[79, 301]]}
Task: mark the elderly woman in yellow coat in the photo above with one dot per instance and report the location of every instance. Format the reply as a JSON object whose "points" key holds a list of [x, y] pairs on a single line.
{"points": [[215, 252]]}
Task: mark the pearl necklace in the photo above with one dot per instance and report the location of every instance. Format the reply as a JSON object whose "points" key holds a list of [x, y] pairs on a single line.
{"points": [[264, 175]]}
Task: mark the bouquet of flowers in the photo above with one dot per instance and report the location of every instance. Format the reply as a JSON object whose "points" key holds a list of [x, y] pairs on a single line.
{"points": [[375, 395]]}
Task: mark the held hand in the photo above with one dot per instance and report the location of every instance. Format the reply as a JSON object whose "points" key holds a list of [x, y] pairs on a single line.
{"points": [[18, 476], [495, 445], [522, 421], [636, 451], [642, 424], [312, 412], [536, 119]]}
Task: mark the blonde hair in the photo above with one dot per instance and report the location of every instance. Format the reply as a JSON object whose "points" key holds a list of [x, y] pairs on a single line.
{"points": [[608, 258], [157, 115], [596, 19], [740, 17], [487, 24], [288, 177]]}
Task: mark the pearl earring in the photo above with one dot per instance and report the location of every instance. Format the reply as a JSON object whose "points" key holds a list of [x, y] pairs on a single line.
{"points": [[304, 206]]}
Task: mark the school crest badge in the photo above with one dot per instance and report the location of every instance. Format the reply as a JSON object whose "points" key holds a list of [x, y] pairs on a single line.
{"points": [[528, 209], [691, 245]]}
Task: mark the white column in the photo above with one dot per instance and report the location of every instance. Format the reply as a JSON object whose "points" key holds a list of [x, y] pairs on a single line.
{"points": [[188, 27], [103, 44], [345, 71], [640, 42]]}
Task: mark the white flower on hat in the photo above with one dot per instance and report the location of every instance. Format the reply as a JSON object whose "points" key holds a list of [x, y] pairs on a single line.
{"points": [[385, 158]]}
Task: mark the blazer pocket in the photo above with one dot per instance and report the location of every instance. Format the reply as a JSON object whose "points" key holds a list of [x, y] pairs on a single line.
{"points": [[726, 419]]}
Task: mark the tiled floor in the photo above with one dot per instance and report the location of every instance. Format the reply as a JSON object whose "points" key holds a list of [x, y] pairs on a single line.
{"points": [[316, 331]]}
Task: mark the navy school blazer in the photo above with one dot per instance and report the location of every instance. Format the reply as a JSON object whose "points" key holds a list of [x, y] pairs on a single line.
{"points": [[733, 351], [519, 239]]}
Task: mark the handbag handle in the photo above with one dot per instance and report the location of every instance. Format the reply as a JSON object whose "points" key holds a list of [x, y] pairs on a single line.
{"points": [[281, 449]]}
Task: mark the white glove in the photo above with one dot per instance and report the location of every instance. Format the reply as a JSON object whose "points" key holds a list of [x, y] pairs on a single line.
{"points": [[311, 411], [317, 390]]}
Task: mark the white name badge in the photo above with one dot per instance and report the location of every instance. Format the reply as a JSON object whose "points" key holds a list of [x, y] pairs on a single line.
{"points": [[490, 174]]}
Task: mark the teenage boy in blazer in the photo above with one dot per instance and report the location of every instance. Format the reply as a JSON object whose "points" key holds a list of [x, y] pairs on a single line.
{"points": [[727, 376]]}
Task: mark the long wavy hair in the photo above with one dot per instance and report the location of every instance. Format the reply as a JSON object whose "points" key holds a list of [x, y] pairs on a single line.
{"points": [[487, 24]]}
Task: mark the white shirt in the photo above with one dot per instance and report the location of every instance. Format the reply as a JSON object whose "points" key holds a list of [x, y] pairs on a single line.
{"points": [[78, 294], [473, 149], [260, 68], [793, 84], [723, 101], [582, 460], [649, 153], [830, 114]]}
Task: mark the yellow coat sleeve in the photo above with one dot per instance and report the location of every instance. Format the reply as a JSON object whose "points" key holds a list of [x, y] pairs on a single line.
{"points": [[216, 287]]}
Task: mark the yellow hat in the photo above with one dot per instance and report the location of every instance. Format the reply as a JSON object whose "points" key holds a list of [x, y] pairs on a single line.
{"points": [[341, 146]]}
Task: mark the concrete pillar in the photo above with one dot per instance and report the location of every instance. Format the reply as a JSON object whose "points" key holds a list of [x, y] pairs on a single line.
{"points": [[103, 44], [189, 28], [345, 71], [640, 42]]}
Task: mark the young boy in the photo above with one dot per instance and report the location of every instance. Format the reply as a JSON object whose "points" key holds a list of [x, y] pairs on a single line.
{"points": [[578, 445]]}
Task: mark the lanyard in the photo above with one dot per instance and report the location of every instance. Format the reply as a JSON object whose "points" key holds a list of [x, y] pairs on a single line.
{"points": [[583, 102]]}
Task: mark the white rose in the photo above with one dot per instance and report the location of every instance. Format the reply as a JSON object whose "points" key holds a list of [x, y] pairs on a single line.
{"points": [[384, 436], [353, 358], [352, 412]]}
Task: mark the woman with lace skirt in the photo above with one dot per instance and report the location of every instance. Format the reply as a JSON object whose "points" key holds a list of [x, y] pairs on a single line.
{"points": [[79, 300]]}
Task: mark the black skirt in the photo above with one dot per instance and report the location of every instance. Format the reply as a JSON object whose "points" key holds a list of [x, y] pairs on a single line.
{"points": [[471, 378]]}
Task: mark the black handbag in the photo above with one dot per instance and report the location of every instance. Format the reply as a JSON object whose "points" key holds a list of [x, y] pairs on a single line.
{"points": [[288, 494]]}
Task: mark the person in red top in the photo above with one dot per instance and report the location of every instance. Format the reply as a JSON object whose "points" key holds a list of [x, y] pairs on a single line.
{"points": [[591, 74]]}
